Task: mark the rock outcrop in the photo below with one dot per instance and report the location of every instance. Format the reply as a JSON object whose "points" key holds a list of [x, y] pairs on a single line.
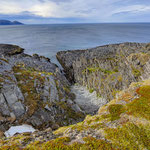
{"points": [[122, 124], [34, 91], [107, 69]]}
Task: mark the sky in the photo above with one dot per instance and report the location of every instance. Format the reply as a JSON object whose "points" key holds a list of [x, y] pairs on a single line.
{"points": [[75, 11]]}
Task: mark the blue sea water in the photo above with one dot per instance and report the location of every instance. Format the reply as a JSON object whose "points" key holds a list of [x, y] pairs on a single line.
{"points": [[47, 40]]}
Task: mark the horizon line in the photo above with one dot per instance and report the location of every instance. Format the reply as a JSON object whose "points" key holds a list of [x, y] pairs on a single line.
{"points": [[85, 23]]}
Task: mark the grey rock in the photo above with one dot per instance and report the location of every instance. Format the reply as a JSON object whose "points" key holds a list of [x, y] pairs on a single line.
{"points": [[107, 69], [32, 89], [7, 49], [18, 109], [53, 89]]}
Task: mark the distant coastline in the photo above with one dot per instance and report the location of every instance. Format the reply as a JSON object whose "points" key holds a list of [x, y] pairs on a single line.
{"points": [[7, 22]]}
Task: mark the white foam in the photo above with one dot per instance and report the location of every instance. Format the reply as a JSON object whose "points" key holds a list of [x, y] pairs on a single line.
{"points": [[19, 129]]}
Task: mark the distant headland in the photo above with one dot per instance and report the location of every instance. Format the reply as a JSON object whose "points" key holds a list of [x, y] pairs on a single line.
{"points": [[7, 22]]}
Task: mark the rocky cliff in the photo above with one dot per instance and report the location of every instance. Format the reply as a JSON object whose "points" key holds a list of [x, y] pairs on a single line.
{"points": [[107, 69], [34, 91], [122, 124]]}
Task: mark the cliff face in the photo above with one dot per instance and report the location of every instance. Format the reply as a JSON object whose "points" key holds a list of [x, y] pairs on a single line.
{"points": [[122, 124], [33, 90], [107, 69]]}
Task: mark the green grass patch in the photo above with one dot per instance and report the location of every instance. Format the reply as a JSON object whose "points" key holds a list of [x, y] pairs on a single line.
{"points": [[115, 111], [140, 107], [130, 136]]}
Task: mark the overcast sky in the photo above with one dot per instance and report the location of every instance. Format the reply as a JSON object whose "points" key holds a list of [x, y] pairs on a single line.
{"points": [[75, 11]]}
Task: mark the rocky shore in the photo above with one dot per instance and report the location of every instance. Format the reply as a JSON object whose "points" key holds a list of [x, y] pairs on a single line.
{"points": [[36, 92]]}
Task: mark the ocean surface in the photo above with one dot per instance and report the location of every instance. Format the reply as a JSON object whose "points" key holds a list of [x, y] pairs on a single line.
{"points": [[47, 40]]}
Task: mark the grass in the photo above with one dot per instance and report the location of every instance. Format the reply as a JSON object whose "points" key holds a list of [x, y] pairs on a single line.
{"points": [[115, 111], [105, 71], [119, 134], [90, 143], [141, 106], [130, 136]]}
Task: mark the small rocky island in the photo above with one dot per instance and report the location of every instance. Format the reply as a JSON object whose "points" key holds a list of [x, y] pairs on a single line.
{"points": [[36, 92]]}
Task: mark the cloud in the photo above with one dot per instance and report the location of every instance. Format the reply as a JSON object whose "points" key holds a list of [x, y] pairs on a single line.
{"points": [[132, 9], [92, 10]]}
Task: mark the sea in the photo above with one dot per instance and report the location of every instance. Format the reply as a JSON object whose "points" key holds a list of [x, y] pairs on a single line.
{"points": [[47, 40]]}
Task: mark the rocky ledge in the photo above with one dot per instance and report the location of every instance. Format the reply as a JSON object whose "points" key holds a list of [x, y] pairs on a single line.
{"points": [[34, 91]]}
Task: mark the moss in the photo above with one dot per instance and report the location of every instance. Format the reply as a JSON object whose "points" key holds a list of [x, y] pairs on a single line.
{"points": [[90, 143], [126, 96], [69, 112], [116, 69], [36, 145], [98, 95], [80, 127], [144, 91], [67, 89], [120, 78], [136, 72], [130, 136], [68, 92], [14, 143], [97, 126], [90, 122], [126, 135], [26, 82], [11, 147], [61, 130], [94, 69], [115, 110], [57, 144], [92, 119], [91, 90], [94, 144], [141, 106], [61, 96], [114, 92]]}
